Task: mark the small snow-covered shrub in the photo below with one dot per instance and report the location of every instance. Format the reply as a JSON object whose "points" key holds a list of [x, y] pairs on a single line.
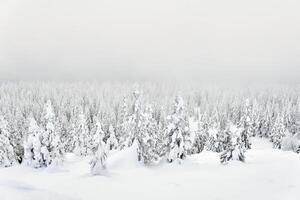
{"points": [[291, 143]]}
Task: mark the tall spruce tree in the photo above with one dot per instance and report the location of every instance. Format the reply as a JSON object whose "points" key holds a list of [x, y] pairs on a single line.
{"points": [[246, 126], [52, 150], [81, 134], [178, 131], [235, 148], [278, 132], [98, 162], [32, 145], [147, 137], [7, 155]]}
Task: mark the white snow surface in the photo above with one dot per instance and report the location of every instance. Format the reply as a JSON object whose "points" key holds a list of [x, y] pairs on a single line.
{"points": [[266, 174]]}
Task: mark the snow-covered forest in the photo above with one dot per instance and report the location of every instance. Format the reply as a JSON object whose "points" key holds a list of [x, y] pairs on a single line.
{"points": [[41, 122]]}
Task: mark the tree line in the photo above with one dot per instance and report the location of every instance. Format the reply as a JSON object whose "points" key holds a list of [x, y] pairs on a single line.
{"points": [[40, 122]]}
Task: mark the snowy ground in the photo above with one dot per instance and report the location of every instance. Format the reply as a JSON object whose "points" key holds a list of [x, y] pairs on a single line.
{"points": [[267, 174]]}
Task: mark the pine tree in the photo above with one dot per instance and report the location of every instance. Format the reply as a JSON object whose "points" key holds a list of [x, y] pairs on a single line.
{"points": [[178, 131], [52, 150], [235, 148], [81, 132], [17, 128], [136, 120], [246, 126], [200, 137], [7, 156], [98, 162], [32, 145], [147, 137], [112, 142], [123, 130], [278, 132], [213, 142], [97, 135]]}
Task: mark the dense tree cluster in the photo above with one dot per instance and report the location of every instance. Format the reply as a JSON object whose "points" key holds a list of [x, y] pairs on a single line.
{"points": [[40, 122]]}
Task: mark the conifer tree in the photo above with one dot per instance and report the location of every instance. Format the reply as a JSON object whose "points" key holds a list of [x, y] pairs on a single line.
{"points": [[81, 132], [178, 131], [199, 136], [278, 132], [235, 148], [123, 130], [97, 135], [52, 150], [147, 137], [112, 142], [32, 145], [246, 126], [7, 156], [98, 162]]}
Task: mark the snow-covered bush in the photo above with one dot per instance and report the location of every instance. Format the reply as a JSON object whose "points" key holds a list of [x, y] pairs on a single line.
{"points": [[291, 142]]}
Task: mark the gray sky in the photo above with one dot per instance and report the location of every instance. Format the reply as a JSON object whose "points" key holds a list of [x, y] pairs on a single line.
{"points": [[134, 39]]}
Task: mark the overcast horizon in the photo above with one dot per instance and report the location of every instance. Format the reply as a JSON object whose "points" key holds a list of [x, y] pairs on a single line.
{"points": [[257, 41]]}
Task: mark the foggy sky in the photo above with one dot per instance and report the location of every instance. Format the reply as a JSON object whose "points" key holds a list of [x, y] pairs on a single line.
{"points": [[257, 40]]}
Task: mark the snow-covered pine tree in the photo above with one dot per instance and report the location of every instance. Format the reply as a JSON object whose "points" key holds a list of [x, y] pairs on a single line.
{"points": [[246, 125], [147, 137], [7, 156], [235, 148], [178, 131], [18, 128], [199, 138], [278, 132], [112, 142], [136, 119], [81, 139], [123, 129], [32, 145], [213, 141], [98, 162], [51, 149], [97, 134], [161, 134]]}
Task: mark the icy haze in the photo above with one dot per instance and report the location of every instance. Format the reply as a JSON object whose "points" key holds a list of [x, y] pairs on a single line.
{"points": [[213, 40]]}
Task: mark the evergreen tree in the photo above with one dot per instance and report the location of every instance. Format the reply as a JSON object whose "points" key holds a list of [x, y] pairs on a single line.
{"points": [[51, 149], [7, 156], [81, 132], [178, 131], [97, 135], [98, 162], [246, 126], [278, 132], [214, 142], [123, 130], [17, 127], [235, 148], [147, 137], [32, 145], [112, 142], [200, 137]]}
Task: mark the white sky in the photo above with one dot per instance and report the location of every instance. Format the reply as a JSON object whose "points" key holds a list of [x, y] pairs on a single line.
{"points": [[253, 40]]}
